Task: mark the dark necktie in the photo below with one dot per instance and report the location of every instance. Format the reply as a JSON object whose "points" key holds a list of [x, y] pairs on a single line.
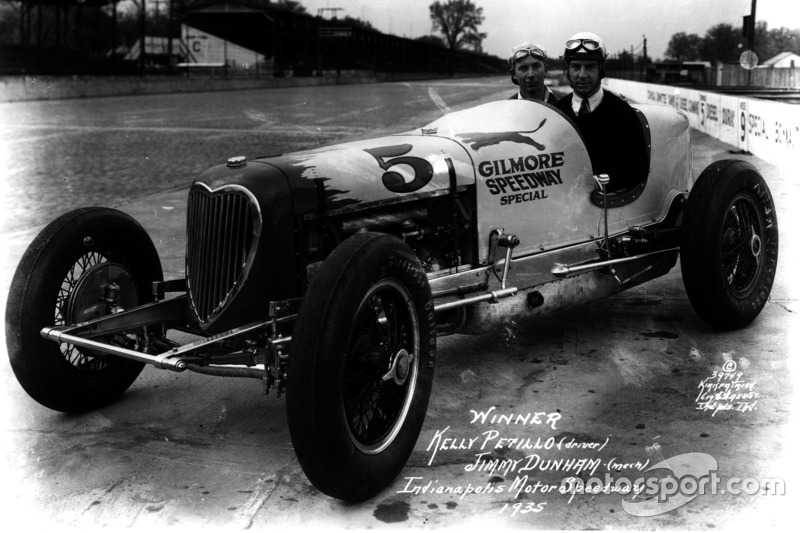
{"points": [[584, 110]]}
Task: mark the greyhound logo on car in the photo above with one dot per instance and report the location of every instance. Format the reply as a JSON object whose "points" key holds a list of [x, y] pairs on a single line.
{"points": [[480, 140]]}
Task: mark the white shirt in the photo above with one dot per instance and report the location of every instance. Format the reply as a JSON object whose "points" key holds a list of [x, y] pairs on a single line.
{"points": [[594, 101]]}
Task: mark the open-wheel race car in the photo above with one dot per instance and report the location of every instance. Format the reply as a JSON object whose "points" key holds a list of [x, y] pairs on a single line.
{"points": [[329, 273]]}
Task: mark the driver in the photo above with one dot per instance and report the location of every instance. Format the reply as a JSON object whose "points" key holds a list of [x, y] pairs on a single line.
{"points": [[528, 65], [610, 128]]}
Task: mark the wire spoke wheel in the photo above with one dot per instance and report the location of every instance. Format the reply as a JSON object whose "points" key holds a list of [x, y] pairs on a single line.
{"points": [[79, 359], [380, 371], [742, 251], [86, 264], [360, 371], [729, 244]]}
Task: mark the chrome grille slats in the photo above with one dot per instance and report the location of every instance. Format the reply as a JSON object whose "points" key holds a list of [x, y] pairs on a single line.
{"points": [[222, 234]]}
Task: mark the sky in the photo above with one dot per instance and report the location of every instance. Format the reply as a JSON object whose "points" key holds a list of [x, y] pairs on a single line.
{"points": [[621, 23]]}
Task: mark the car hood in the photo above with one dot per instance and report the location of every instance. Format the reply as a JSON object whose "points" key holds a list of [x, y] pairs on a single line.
{"points": [[389, 169]]}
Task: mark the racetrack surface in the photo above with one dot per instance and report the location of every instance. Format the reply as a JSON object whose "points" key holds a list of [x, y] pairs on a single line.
{"points": [[196, 451]]}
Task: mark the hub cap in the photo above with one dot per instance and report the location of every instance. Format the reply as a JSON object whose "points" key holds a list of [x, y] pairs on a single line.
{"points": [[380, 370], [742, 249]]}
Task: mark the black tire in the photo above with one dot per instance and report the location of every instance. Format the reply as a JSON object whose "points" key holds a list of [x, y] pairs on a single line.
{"points": [[729, 244], [366, 325], [56, 283]]}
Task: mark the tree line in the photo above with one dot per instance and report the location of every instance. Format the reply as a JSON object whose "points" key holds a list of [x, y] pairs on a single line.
{"points": [[725, 43]]}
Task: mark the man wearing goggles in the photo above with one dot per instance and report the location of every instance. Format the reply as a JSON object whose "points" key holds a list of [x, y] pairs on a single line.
{"points": [[528, 64], [590, 45], [609, 126]]}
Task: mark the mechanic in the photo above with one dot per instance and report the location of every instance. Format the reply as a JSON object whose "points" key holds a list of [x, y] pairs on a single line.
{"points": [[528, 65], [610, 127]]}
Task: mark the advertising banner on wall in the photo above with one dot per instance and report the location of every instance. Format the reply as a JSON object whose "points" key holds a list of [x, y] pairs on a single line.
{"points": [[768, 130]]}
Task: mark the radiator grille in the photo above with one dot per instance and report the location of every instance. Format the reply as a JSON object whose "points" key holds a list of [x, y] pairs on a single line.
{"points": [[222, 233]]}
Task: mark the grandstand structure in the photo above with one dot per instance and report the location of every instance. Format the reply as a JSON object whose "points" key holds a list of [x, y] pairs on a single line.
{"points": [[281, 42]]}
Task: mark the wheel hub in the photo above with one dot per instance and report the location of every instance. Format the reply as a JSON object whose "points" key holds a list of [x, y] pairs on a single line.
{"points": [[755, 246], [401, 367], [102, 289], [381, 368]]}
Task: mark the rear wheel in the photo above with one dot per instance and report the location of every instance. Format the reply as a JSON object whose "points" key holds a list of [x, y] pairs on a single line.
{"points": [[729, 246], [361, 366], [85, 264]]}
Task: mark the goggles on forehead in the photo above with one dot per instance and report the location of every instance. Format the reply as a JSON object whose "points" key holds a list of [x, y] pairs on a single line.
{"points": [[589, 45], [525, 50]]}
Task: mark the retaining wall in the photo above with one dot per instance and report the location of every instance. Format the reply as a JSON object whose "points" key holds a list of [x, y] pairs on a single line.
{"points": [[769, 130], [21, 88]]}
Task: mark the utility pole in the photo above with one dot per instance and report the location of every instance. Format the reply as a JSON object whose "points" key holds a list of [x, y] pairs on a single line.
{"points": [[633, 64], [143, 42], [114, 31], [644, 59], [749, 31], [170, 61]]}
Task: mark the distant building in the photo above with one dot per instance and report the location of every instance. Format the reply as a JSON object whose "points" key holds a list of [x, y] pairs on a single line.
{"points": [[156, 49], [206, 50], [197, 49], [685, 73], [783, 60]]}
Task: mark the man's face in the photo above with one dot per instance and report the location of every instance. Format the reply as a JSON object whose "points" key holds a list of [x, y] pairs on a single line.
{"points": [[584, 77], [529, 72]]}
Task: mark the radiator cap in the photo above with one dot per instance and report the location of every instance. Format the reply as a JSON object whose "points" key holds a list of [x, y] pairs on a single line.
{"points": [[237, 161]]}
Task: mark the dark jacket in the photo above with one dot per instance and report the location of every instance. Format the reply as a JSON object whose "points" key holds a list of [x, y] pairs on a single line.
{"points": [[614, 138]]}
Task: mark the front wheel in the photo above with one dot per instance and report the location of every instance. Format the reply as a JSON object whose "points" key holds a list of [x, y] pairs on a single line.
{"points": [[361, 366], [85, 264], [729, 244]]}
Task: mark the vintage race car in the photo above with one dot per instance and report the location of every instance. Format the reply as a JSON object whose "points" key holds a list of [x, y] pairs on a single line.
{"points": [[329, 273]]}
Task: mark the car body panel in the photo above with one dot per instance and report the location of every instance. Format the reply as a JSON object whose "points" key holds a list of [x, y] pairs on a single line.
{"points": [[670, 170], [533, 172], [550, 208], [362, 174]]}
